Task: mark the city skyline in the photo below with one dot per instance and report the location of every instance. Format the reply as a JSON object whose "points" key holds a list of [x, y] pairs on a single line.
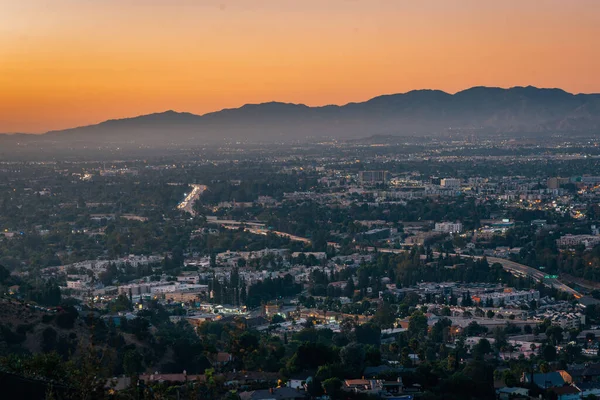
{"points": [[73, 63]]}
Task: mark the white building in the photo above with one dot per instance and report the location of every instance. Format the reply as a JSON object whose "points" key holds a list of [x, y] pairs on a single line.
{"points": [[77, 285], [588, 241], [193, 278], [498, 298], [451, 183], [571, 320], [448, 227]]}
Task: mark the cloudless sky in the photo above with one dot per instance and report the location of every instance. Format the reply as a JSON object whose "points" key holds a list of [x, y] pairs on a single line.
{"points": [[66, 63]]}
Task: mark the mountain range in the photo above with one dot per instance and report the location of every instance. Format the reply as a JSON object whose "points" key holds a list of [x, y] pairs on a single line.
{"points": [[420, 112]]}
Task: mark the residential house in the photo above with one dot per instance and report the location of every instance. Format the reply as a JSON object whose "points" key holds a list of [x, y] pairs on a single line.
{"points": [[545, 381], [282, 393], [566, 393]]}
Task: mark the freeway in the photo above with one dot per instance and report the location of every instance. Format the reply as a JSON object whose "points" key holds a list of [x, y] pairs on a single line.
{"points": [[188, 203], [515, 269], [510, 266], [294, 238], [536, 274], [257, 228]]}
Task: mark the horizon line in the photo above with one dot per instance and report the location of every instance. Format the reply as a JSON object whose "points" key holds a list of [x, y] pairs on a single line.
{"points": [[296, 104]]}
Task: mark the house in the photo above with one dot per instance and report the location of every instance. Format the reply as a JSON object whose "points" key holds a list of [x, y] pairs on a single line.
{"points": [[222, 358], [298, 381], [178, 378], [250, 377], [566, 392], [588, 388], [545, 381], [392, 388], [512, 393], [374, 372], [282, 393], [589, 373], [369, 386]]}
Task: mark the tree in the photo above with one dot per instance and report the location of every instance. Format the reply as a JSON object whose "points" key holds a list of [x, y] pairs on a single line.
{"points": [[352, 357], [89, 374], [66, 319], [121, 303], [405, 357], [554, 334], [368, 334], [590, 337], [349, 289], [314, 387], [417, 325], [482, 348], [4, 274], [438, 332], [510, 379], [499, 337], [549, 353], [311, 356], [332, 387], [132, 362], [474, 329], [372, 356], [139, 327], [49, 337]]}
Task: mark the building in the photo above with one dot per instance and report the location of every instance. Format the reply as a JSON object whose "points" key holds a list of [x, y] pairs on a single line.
{"points": [[373, 176], [573, 320], [588, 241], [366, 386], [512, 393], [508, 297], [271, 309], [545, 381], [590, 180], [222, 359], [282, 393], [450, 183], [189, 278], [566, 393], [555, 183], [375, 234], [319, 255], [448, 227]]}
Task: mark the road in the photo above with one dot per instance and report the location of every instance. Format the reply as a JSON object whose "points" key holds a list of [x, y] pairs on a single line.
{"points": [[187, 204], [510, 266], [515, 269], [258, 229], [536, 274], [294, 238]]}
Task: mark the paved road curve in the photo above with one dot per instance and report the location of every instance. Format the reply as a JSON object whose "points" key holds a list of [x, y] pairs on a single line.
{"points": [[536, 274], [514, 268]]}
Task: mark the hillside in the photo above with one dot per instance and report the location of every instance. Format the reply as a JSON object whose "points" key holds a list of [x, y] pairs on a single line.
{"points": [[483, 109]]}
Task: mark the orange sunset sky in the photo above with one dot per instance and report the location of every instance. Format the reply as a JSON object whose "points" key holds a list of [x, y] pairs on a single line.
{"points": [[66, 63]]}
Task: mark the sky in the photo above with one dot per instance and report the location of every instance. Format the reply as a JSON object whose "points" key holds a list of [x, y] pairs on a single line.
{"points": [[66, 63]]}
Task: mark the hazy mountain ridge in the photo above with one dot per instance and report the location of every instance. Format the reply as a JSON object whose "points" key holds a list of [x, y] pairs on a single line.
{"points": [[519, 109]]}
